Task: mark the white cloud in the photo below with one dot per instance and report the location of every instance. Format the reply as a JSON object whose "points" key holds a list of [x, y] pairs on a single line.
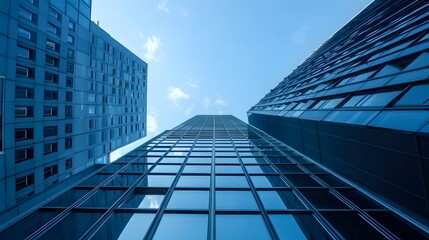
{"points": [[163, 7], [152, 45], [152, 123], [300, 36], [176, 94], [219, 101], [206, 102], [192, 84]]}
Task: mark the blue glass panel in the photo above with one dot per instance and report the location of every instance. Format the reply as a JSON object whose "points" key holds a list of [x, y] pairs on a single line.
{"points": [[229, 169], [189, 200], [259, 169], [235, 200], [241, 227], [199, 160], [125, 226], [352, 117], [247, 160], [102, 198], [231, 182], [194, 181], [68, 198], [227, 160], [166, 169], [157, 181], [197, 169], [143, 201], [173, 160], [379, 99], [299, 226], [267, 181], [280, 200], [417, 95], [402, 120], [81, 222], [182, 226]]}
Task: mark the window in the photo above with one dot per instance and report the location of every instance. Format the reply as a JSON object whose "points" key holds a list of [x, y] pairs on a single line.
{"points": [[70, 39], [68, 143], [69, 82], [72, 26], [417, 95], [50, 171], [23, 111], [52, 45], [51, 95], [24, 13], [50, 111], [69, 96], [54, 14], [22, 71], [50, 131], [50, 148], [69, 111], [23, 182], [52, 28], [70, 53], [24, 92], [23, 154], [24, 52], [23, 134], [70, 67], [50, 77], [52, 61], [23, 33], [68, 128], [69, 163]]}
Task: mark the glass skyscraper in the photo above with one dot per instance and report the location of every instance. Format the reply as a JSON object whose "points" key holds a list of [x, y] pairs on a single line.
{"points": [[214, 177], [359, 104], [70, 94]]}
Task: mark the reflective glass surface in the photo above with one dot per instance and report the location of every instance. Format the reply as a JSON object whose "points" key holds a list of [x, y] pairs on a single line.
{"points": [[182, 226], [241, 227]]}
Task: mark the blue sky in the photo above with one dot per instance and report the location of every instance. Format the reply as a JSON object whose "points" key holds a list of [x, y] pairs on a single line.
{"points": [[219, 56]]}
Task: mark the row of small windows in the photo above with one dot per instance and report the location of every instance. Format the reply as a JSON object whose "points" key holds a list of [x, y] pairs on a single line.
{"points": [[28, 72], [416, 96], [28, 93], [48, 111], [28, 180]]}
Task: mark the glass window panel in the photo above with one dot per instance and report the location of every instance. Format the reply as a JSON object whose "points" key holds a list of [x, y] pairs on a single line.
{"points": [[157, 181], [202, 154], [359, 199], [166, 169], [124, 180], [241, 227], [298, 226], [332, 181], [194, 181], [259, 169], [68, 198], [248, 160], [417, 95], [397, 225], [280, 200], [81, 222], [227, 160], [198, 169], [199, 160], [235, 200], [138, 200], [28, 225], [352, 226], [323, 199], [103, 198], [286, 168], [189, 200], [137, 168], [353, 117], [95, 180], [225, 154], [125, 226], [231, 182], [379, 99], [182, 226], [403, 120], [229, 169], [302, 180], [173, 160], [267, 181]]}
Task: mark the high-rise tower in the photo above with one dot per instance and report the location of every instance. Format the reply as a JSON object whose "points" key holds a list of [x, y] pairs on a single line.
{"points": [[70, 95], [359, 104]]}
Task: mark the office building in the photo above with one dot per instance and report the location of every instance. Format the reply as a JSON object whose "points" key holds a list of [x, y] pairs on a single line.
{"points": [[359, 105], [70, 94], [213, 177]]}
